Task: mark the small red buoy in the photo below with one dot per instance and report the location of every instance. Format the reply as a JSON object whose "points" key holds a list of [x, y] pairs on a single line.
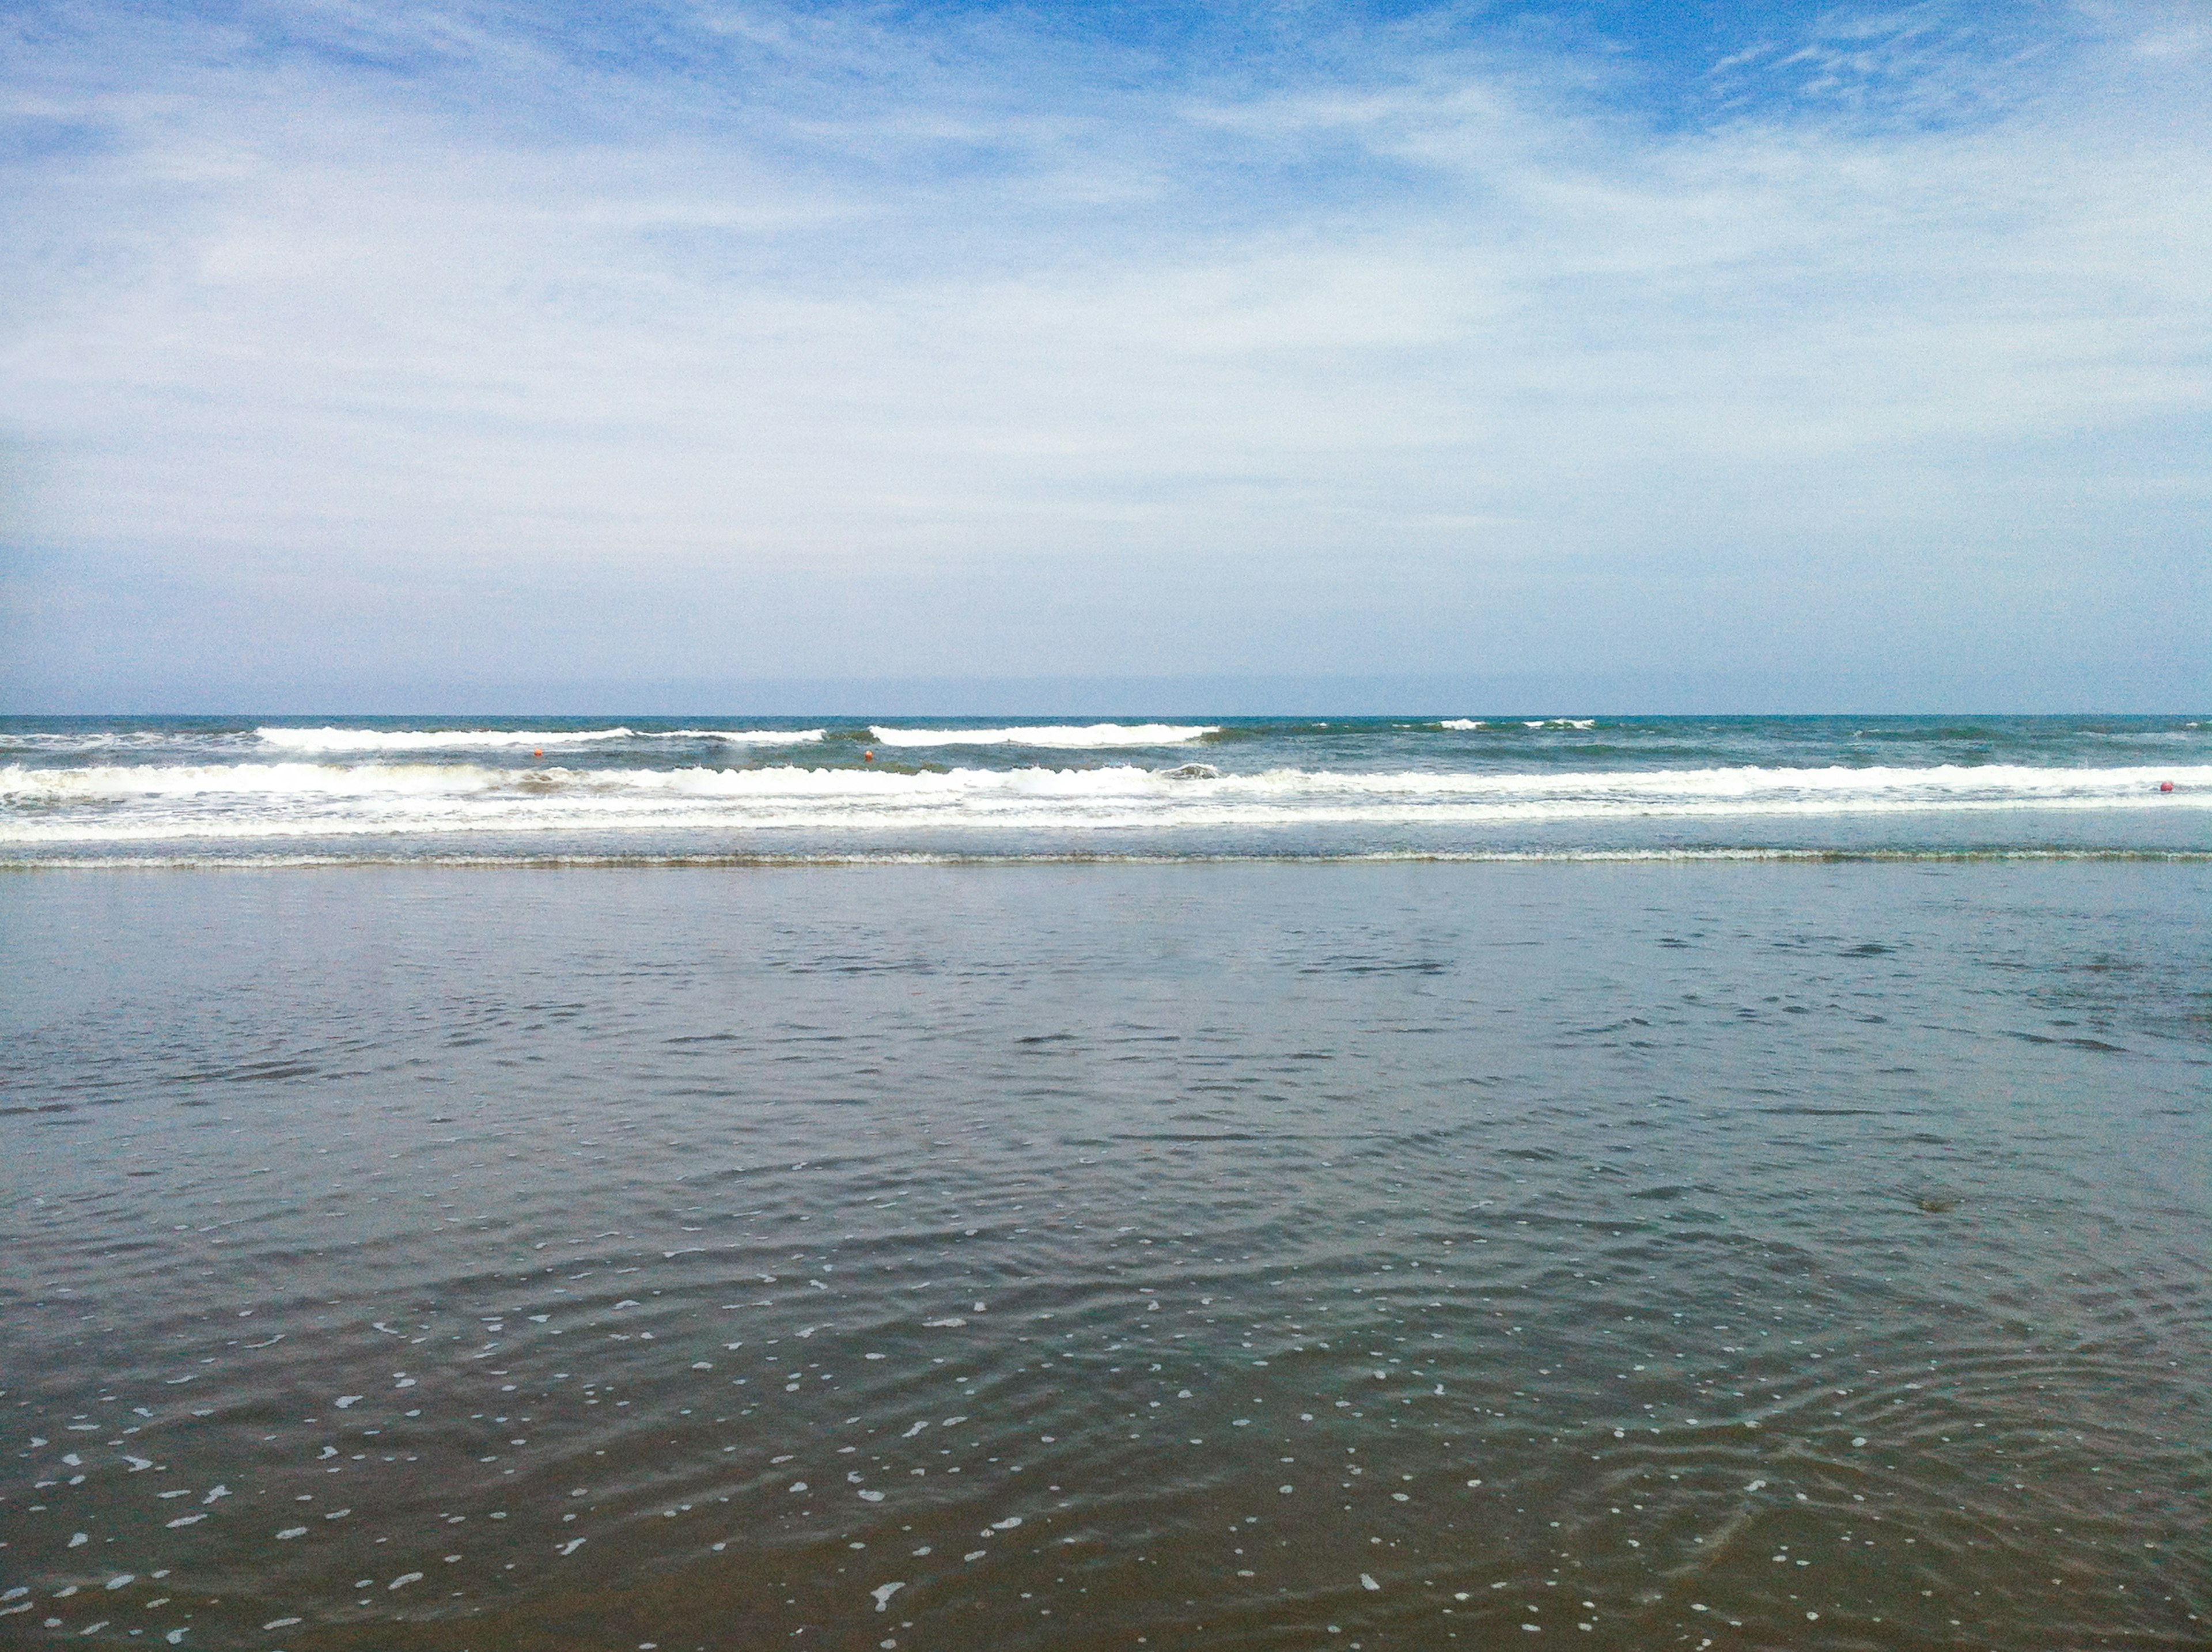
{"points": [[2166, 786], [539, 752], [870, 756]]}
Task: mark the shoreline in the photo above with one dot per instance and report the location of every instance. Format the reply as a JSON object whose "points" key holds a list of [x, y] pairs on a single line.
{"points": [[1700, 856]]}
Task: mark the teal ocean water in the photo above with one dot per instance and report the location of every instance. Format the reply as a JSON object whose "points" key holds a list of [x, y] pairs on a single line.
{"points": [[633, 789]]}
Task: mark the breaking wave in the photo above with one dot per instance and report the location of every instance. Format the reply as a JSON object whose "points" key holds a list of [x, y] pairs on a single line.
{"points": [[1465, 724], [461, 739], [1059, 737], [113, 802]]}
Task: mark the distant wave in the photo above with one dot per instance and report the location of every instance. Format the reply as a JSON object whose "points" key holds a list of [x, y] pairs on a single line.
{"points": [[459, 739], [1463, 724], [1088, 736], [118, 803], [739, 736], [200, 742]]}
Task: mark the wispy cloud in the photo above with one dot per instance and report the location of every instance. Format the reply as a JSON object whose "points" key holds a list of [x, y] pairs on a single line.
{"points": [[743, 341]]}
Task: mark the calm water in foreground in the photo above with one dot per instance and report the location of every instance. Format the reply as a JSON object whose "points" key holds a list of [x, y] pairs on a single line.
{"points": [[946, 1257]]}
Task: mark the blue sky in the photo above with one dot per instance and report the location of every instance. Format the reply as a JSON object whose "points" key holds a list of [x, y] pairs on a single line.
{"points": [[415, 356]]}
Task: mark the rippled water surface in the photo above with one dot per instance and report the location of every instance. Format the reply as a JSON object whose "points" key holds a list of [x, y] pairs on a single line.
{"points": [[1177, 1256]]}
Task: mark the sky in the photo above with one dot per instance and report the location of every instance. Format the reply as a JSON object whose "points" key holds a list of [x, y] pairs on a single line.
{"points": [[717, 355]]}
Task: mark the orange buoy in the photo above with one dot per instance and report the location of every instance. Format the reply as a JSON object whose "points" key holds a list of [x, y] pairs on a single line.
{"points": [[2166, 786], [539, 752], [870, 756]]}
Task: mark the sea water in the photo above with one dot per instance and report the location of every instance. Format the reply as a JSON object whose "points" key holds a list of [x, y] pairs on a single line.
{"points": [[1636, 1227], [182, 789]]}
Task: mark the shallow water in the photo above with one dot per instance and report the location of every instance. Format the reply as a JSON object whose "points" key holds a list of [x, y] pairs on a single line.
{"points": [[1186, 1256]]}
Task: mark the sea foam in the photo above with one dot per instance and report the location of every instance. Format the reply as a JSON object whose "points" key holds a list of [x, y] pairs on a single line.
{"points": [[1059, 737], [459, 739], [120, 803]]}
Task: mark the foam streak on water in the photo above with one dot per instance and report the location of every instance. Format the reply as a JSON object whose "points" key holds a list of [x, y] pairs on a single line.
{"points": [[1404, 1255]]}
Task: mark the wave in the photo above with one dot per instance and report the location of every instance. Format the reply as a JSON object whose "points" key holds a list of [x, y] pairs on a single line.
{"points": [[85, 743], [1942, 782], [741, 736], [460, 739], [265, 800], [1059, 737], [1465, 724]]}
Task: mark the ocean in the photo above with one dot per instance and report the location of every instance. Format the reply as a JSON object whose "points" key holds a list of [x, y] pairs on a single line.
{"points": [[1474, 1181], [185, 790]]}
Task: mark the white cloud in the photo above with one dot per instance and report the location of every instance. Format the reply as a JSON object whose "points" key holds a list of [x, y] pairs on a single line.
{"points": [[1421, 360]]}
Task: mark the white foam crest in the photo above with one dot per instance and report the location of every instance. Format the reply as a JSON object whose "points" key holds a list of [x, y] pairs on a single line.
{"points": [[462, 739], [272, 800], [1464, 725], [1058, 737], [629, 814], [440, 739], [1942, 781], [122, 782], [1873, 784]]}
